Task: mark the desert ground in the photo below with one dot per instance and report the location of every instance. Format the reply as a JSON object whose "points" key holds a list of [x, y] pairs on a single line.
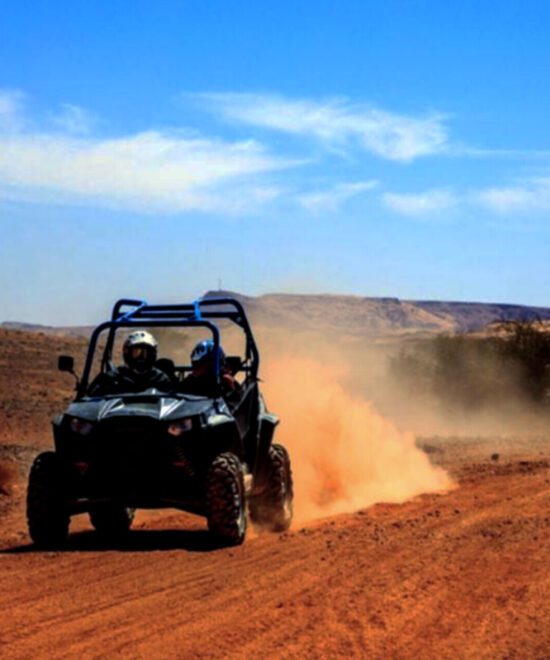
{"points": [[459, 572]]}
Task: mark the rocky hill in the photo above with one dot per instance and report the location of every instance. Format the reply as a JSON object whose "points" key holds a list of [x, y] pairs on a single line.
{"points": [[377, 316], [353, 315], [72, 331]]}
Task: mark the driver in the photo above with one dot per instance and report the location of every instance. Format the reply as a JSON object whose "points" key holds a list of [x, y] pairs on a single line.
{"points": [[138, 372]]}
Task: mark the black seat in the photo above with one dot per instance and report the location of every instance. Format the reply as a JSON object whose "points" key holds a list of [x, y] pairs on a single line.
{"points": [[168, 366], [233, 364]]}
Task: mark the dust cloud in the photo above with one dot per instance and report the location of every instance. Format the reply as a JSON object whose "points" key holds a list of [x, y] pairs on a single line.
{"points": [[345, 455]]}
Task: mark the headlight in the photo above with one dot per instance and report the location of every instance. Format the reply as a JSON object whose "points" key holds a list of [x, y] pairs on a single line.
{"points": [[81, 426], [179, 427], [218, 418]]}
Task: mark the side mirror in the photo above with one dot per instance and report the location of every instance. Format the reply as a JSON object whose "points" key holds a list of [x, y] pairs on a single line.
{"points": [[66, 363]]}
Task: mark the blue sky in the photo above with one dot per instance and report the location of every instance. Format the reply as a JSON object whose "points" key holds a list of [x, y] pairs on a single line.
{"points": [[371, 148]]}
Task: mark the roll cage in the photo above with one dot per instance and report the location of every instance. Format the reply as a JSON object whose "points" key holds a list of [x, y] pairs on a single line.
{"points": [[203, 312]]}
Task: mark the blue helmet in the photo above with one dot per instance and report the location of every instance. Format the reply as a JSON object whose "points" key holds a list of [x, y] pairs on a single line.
{"points": [[204, 352]]}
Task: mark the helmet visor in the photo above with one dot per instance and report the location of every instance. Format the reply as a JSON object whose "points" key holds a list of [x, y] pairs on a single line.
{"points": [[139, 352], [140, 358]]}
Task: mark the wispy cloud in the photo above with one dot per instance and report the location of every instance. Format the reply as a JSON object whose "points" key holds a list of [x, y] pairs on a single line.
{"points": [[150, 171], [336, 122], [59, 160], [418, 204], [146, 171], [332, 198], [11, 116], [74, 120], [464, 151], [532, 196]]}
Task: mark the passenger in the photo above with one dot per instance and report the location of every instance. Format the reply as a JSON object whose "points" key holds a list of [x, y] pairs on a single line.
{"points": [[138, 372], [202, 381]]}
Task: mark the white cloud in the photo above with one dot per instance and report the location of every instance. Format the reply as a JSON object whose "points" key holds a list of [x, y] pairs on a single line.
{"points": [[464, 151], [74, 119], [336, 123], [333, 198], [532, 196], [418, 204], [11, 102], [180, 171], [149, 171]]}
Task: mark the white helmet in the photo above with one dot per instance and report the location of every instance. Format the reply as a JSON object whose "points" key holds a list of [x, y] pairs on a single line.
{"points": [[140, 351]]}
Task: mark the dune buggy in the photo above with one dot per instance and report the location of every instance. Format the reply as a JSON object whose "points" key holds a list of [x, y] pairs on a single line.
{"points": [[201, 454]]}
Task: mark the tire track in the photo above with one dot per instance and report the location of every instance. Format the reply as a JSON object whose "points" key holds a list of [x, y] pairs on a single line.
{"points": [[465, 573]]}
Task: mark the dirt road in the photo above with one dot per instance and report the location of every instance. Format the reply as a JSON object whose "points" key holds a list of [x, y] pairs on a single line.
{"points": [[464, 574]]}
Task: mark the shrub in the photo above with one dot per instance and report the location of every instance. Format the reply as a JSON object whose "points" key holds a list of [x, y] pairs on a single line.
{"points": [[474, 371]]}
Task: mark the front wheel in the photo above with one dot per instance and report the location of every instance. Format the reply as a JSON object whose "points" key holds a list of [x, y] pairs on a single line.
{"points": [[47, 515], [272, 510], [225, 499]]}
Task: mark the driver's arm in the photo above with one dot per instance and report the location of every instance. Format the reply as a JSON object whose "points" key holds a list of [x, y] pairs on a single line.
{"points": [[103, 383]]}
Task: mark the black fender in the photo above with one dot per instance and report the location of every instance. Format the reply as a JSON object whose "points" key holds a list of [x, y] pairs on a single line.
{"points": [[267, 422], [58, 432], [222, 438]]}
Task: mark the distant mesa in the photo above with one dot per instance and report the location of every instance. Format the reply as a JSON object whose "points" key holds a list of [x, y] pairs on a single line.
{"points": [[353, 315], [378, 316], [74, 331], [28, 327]]}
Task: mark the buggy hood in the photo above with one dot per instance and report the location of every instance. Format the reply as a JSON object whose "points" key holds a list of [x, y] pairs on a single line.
{"points": [[151, 403]]}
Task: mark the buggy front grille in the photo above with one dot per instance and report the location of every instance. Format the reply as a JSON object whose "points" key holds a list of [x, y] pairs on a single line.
{"points": [[130, 445]]}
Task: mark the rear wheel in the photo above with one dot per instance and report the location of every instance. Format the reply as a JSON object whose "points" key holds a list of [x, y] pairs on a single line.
{"points": [[273, 509], [47, 515], [112, 521], [225, 499]]}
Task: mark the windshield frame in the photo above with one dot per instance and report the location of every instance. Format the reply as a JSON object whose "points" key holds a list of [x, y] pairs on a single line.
{"points": [[113, 326], [195, 314]]}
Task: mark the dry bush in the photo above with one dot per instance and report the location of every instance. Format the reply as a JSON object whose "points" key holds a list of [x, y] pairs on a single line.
{"points": [[473, 372]]}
